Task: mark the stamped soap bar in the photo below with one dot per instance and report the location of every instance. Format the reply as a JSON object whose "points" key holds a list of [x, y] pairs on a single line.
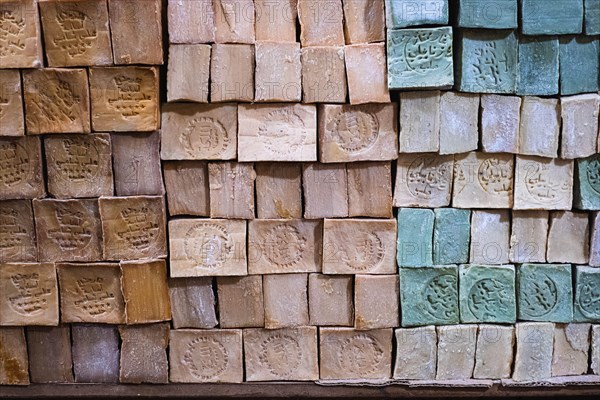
{"points": [[587, 187], [12, 121], [451, 236], [537, 72], [403, 13], [17, 236], [21, 175], [415, 237], [21, 41], [544, 292], [423, 180], [541, 17], [586, 307], [497, 14], [543, 183]]}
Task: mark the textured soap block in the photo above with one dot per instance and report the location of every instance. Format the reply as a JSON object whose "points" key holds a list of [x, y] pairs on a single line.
{"points": [[231, 190], [544, 292], [277, 81], [459, 122], [186, 184], [286, 300], [366, 73], [571, 349], [595, 350], [232, 72], [420, 58], [529, 236], [145, 291], [494, 354], [50, 357], [364, 21], [321, 23], [587, 187], [234, 21], [543, 183], [579, 64], [487, 294], [423, 180], [490, 236], [591, 17], [370, 189], [456, 351], [586, 307], [276, 20], [331, 300], [451, 236], [420, 121], [429, 295], [191, 22], [14, 365], [533, 360], [188, 72], [346, 353], [279, 190], [21, 39], [197, 356], [487, 61], [325, 190], [95, 353], [12, 121], [144, 353], [21, 175], [595, 241], [540, 17], [415, 237], [17, 236], [537, 72], [323, 75], [376, 301], [193, 303], [500, 120], [241, 302], [497, 14], [579, 125], [403, 13], [568, 237], [416, 353]]}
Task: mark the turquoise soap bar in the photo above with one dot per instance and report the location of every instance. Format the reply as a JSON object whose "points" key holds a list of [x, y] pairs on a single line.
{"points": [[403, 13], [587, 187], [451, 236], [592, 17], [487, 293], [415, 237], [497, 14], [578, 64], [586, 307], [551, 17], [429, 295], [538, 66], [420, 58], [487, 61], [545, 292]]}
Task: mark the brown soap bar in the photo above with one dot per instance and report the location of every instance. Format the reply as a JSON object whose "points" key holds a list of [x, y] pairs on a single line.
{"points": [[12, 122], [286, 300], [232, 72], [79, 165], [133, 228], [276, 20], [144, 353], [186, 184], [330, 300], [276, 80], [127, 20], [231, 190], [193, 303], [364, 20], [50, 359], [14, 365], [377, 301], [278, 190], [323, 75], [234, 21], [241, 302], [21, 174], [366, 69], [68, 230], [370, 189], [325, 190], [21, 40], [145, 291], [321, 22], [76, 32], [188, 72], [91, 293], [28, 294], [136, 161], [17, 231], [191, 21], [125, 99], [95, 353]]}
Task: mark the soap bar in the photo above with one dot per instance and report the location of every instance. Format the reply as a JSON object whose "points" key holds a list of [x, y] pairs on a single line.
{"points": [[532, 140], [12, 121], [95, 353], [80, 165], [232, 72], [569, 237], [420, 121], [241, 301], [276, 81], [145, 291], [234, 21], [186, 184], [144, 353], [91, 293], [364, 21], [370, 189], [543, 183], [587, 187], [487, 294], [359, 246], [330, 300], [281, 355], [533, 361], [423, 180], [68, 230], [367, 132], [459, 122], [537, 72], [325, 190], [490, 236], [214, 355], [586, 307], [487, 61], [579, 63], [21, 175], [416, 353], [277, 246], [286, 300], [500, 120], [420, 58], [14, 365], [403, 13], [50, 357], [276, 20], [193, 303], [76, 33], [323, 75], [595, 359], [17, 237], [494, 354], [451, 235], [571, 349], [321, 23], [456, 351], [277, 132], [21, 35], [376, 301], [579, 125], [366, 72], [415, 237], [595, 241], [347, 354], [592, 17], [279, 190], [199, 132], [231, 190], [499, 14], [544, 292], [429, 295], [191, 22], [188, 72], [540, 17], [529, 236]]}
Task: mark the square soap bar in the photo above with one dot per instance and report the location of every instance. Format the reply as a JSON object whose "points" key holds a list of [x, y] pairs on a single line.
{"points": [[579, 125], [529, 236], [416, 353], [21, 175], [429, 295], [415, 237], [544, 292], [500, 120], [587, 188], [424, 180], [241, 302], [17, 236], [494, 354], [21, 39], [579, 64], [592, 17], [543, 17], [186, 184], [145, 291], [543, 183], [497, 14], [330, 299], [193, 303], [451, 235], [403, 13], [456, 351], [376, 301], [587, 303], [487, 294], [14, 367], [420, 58], [537, 71], [144, 353]]}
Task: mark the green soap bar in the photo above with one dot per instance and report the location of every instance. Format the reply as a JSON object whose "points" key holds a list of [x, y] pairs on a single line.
{"points": [[551, 17], [545, 292], [420, 58], [487, 294], [538, 66], [487, 61], [415, 237], [451, 236], [592, 17], [578, 64], [586, 307], [587, 188], [403, 13], [497, 14], [429, 295]]}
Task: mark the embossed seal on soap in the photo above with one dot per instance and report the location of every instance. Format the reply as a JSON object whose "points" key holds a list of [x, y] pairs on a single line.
{"points": [[593, 174], [15, 165], [366, 252], [440, 294], [31, 296], [589, 299], [12, 234], [276, 127], [488, 298], [356, 130], [280, 354], [284, 245], [360, 354], [542, 185], [427, 177], [141, 227], [206, 357], [78, 161], [204, 136], [495, 175], [78, 32], [540, 295], [130, 97], [209, 244], [93, 298], [73, 231], [12, 27]]}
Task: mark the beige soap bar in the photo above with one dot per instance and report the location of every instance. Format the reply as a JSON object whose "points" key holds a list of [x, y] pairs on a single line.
{"points": [[241, 302], [571, 349], [579, 125], [12, 121], [188, 72], [278, 72], [364, 21], [369, 189], [595, 349], [14, 365], [424, 180], [569, 237], [500, 121], [234, 21], [420, 121], [533, 360], [536, 113], [191, 21], [456, 351], [231, 190], [416, 353], [21, 175], [186, 183], [595, 240], [145, 291], [144, 353], [325, 189], [276, 20], [459, 122], [494, 354], [17, 236], [543, 183], [330, 300], [366, 69], [490, 236], [321, 23], [279, 190], [232, 72], [376, 301], [323, 75], [529, 236], [286, 300], [21, 40]]}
